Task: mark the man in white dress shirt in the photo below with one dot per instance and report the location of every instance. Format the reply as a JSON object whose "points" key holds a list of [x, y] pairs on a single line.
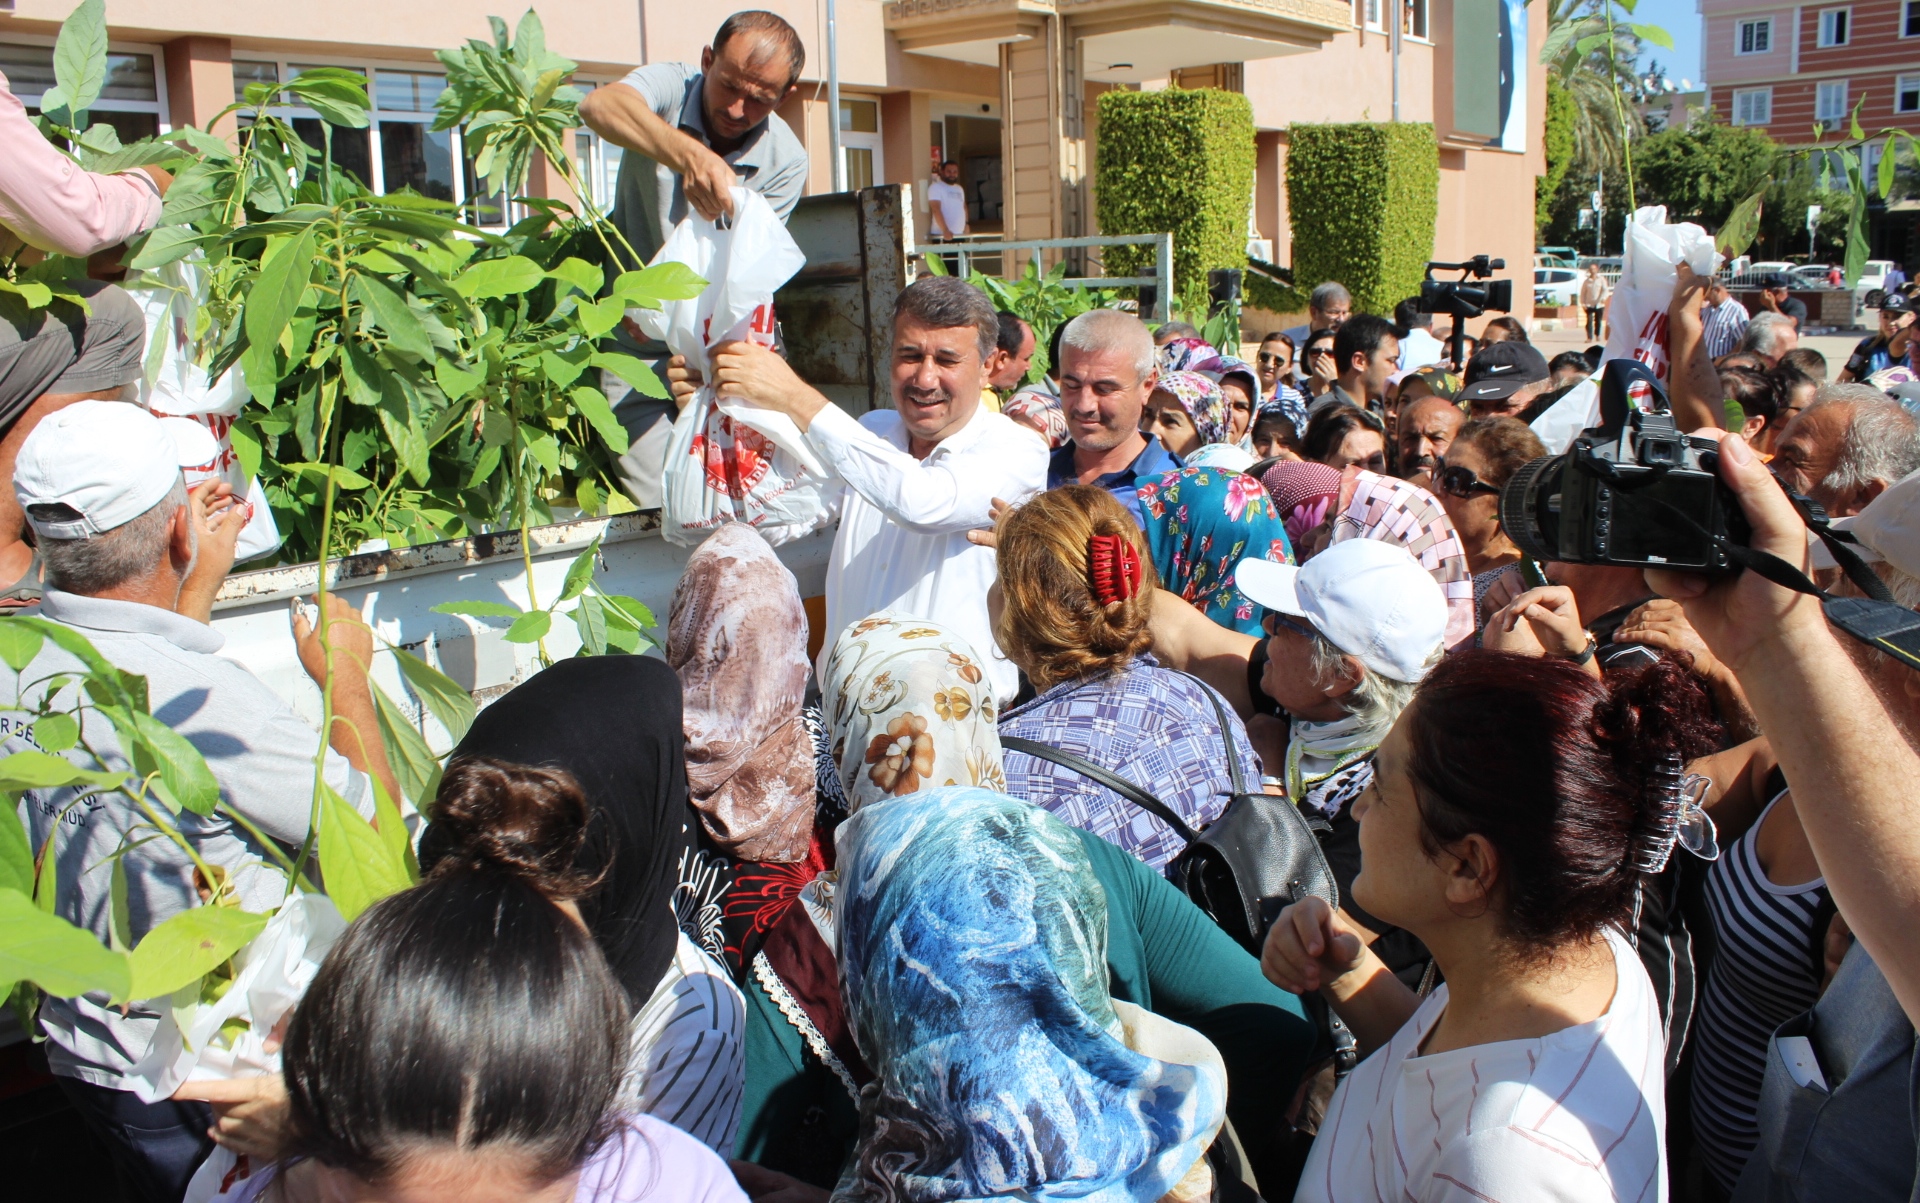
{"points": [[918, 476]]}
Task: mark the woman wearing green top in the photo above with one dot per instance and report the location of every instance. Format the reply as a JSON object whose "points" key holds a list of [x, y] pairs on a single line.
{"points": [[909, 709]]}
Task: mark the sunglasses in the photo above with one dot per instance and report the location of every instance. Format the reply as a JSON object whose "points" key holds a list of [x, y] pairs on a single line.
{"points": [[1460, 482], [1268, 359], [1273, 619]]}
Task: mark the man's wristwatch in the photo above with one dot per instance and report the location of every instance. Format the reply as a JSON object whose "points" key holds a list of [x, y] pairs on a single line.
{"points": [[1581, 658]]}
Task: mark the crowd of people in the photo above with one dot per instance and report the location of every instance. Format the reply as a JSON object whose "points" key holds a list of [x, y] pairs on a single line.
{"points": [[896, 916], [891, 903]]}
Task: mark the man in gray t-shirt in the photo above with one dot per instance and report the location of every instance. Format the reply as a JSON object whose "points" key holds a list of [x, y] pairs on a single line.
{"points": [[129, 562], [690, 137]]}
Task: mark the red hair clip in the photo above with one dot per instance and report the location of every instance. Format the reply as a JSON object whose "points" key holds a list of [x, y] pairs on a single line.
{"points": [[1113, 569]]}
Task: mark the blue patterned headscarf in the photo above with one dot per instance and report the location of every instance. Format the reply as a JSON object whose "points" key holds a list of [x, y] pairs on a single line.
{"points": [[973, 937], [1201, 522]]}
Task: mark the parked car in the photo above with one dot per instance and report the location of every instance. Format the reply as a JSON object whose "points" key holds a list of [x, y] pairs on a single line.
{"points": [[1757, 273], [1812, 275], [1871, 287], [1554, 256], [1556, 286]]}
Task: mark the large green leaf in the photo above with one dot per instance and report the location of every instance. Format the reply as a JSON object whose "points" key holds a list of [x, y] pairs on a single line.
{"points": [[412, 759], [579, 273], [79, 61], [530, 627], [277, 290], [635, 371], [590, 619], [64, 960], [580, 572], [390, 310], [650, 286], [19, 643], [592, 404], [506, 277], [358, 867], [167, 244], [441, 694], [454, 380], [1737, 232], [188, 946], [392, 828], [16, 854], [152, 746], [39, 770]]}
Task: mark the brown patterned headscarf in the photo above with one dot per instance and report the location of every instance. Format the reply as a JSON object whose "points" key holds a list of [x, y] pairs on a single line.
{"points": [[737, 637]]}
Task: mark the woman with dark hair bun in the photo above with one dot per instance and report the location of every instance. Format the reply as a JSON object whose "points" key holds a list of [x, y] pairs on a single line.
{"points": [[1515, 808], [466, 1038]]}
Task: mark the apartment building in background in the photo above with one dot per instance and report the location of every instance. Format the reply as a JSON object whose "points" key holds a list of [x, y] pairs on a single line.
{"points": [[1008, 88], [1800, 72]]}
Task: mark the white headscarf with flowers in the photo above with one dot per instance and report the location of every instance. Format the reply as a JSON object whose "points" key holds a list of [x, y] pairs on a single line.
{"points": [[909, 708]]}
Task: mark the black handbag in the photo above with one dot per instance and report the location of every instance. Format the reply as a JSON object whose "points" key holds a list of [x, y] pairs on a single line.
{"points": [[1260, 855]]}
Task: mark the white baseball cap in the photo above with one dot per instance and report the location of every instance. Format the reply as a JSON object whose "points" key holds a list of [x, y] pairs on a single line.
{"points": [[1370, 599], [1887, 530], [96, 465]]}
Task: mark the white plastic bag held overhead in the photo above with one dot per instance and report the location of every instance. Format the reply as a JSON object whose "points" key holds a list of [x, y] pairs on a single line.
{"points": [[728, 461], [1637, 315]]}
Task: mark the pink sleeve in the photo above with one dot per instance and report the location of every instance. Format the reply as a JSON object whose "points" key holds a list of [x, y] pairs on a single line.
{"points": [[48, 200]]}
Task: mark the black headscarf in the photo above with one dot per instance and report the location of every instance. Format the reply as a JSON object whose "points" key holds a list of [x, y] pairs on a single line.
{"points": [[614, 723]]}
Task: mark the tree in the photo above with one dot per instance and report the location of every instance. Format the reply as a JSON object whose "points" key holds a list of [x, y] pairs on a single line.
{"points": [[1561, 116], [1702, 172], [1591, 49]]}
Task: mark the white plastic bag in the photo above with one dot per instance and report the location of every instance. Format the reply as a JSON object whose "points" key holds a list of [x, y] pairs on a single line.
{"points": [[728, 461], [1637, 315], [175, 384], [272, 973]]}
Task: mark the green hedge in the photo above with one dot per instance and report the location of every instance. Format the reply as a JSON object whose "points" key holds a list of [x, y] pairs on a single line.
{"points": [[1362, 199], [1178, 160], [1562, 113]]}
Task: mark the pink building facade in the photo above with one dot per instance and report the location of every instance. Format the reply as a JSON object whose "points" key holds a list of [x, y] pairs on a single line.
{"points": [[1793, 69], [1006, 87]]}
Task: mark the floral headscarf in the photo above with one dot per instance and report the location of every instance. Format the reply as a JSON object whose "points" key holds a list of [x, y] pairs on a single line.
{"points": [[1372, 506], [737, 637], [1042, 412], [1203, 401], [1227, 366], [1201, 522], [1186, 354], [972, 940], [909, 708], [1302, 491]]}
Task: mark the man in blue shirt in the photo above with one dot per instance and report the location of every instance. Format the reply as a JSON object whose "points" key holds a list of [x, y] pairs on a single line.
{"points": [[1107, 373]]}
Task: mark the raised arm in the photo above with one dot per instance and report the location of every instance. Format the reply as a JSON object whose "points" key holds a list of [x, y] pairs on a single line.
{"points": [[1692, 384], [1852, 769], [928, 498], [54, 205], [625, 116]]}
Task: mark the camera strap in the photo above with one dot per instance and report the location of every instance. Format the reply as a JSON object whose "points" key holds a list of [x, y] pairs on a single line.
{"points": [[1876, 620]]}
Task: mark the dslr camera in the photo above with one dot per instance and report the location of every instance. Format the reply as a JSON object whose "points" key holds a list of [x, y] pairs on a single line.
{"points": [[1633, 491]]}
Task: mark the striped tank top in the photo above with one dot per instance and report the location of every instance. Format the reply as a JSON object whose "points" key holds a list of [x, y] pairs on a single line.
{"points": [[1764, 974]]}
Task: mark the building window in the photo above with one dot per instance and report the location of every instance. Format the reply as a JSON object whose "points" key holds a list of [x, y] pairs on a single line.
{"points": [[1753, 106], [398, 150], [1372, 13], [1413, 16], [1834, 24], [860, 142], [1906, 94], [598, 162], [1755, 37], [1910, 20], [129, 99], [1830, 102]]}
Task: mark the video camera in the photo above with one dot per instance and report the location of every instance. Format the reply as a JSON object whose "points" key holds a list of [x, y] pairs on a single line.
{"points": [[1633, 491], [1462, 299]]}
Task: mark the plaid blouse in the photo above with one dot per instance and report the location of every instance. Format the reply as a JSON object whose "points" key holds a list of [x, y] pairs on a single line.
{"points": [[1153, 727]]}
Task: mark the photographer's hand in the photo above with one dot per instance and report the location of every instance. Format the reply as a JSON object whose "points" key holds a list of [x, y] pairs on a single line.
{"points": [[1851, 766]]}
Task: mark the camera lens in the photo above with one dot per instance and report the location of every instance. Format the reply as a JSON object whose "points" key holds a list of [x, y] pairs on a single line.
{"points": [[1526, 510]]}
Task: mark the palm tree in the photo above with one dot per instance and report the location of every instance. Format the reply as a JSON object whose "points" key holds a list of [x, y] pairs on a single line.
{"points": [[1592, 49]]}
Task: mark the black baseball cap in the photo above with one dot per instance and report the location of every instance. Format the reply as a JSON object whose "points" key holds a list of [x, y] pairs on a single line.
{"points": [[1893, 302], [1776, 280], [1498, 370]]}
